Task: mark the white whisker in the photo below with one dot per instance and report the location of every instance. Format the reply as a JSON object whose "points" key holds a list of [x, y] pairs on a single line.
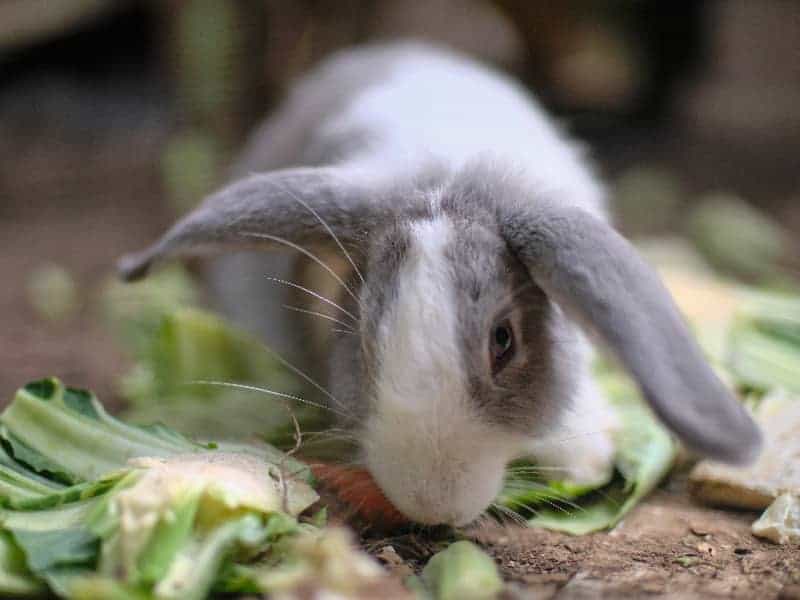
{"points": [[510, 513], [324, 223], [532, 469], [319, 297], [318, 314], [570, 438], [255, 388], [306, 377], [310, 255]]}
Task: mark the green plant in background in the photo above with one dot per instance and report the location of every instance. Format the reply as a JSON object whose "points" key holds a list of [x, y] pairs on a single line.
{"points": [[190, 168], [53, 293], [217, 52], [207, 40], [764, 341], [647, 198], [187, 362], [738, 239]]}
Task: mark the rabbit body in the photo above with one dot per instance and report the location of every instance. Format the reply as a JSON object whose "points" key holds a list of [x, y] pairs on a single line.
{"points": [[462, 252]]}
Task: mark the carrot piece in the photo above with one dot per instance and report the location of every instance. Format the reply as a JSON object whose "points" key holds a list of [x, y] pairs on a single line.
{"points": [[356, 488]]}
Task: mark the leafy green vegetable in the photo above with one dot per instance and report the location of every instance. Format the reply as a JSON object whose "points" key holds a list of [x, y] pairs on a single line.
{"points": [[90, 505], [67, 434]]}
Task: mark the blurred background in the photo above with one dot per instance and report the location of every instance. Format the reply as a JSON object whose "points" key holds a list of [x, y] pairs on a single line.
{"points": [[116, 115]]}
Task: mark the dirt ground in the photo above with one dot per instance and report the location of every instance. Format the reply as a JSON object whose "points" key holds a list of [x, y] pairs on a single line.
{"points": [[81, 207], [667, 547]]}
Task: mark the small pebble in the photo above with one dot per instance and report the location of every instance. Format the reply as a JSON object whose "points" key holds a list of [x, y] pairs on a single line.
{"points": [[706, 549], [394, 562]]}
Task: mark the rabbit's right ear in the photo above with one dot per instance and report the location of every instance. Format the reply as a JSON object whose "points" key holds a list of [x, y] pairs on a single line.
{"points": [[294, 206]]}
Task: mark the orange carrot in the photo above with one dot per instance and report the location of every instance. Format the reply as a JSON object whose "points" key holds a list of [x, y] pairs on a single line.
{"points": [[356, 488]]}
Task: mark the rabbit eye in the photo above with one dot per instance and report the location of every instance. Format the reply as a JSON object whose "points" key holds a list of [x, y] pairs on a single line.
{"points": [[501, 346]]}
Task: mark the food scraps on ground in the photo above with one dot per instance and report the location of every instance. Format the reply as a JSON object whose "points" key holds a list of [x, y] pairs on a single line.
{"points": [[772, 483]]}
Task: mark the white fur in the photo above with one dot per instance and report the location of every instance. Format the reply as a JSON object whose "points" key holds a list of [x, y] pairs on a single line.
{"points": [[435, 105], [432, 455], [582, 446]]}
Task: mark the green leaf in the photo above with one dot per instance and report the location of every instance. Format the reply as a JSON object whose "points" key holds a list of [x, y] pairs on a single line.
{"points": [[43, 388], [69, 436], [16, 580], [762, 359], [462, 572], [45, 550], [18, 483], [280, 525], [645, 453], [36, 460], [320, 518], [136, 310], [91, 587], [69, 515], [66, 495], [56, 551], [168, 539], [193, 572]]}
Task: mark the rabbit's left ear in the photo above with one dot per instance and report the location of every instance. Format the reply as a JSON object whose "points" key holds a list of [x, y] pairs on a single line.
{"points": [[294, 206], [599, 280]]}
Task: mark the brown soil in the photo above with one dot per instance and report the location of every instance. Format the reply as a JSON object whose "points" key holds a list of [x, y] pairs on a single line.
{"points": [[666, 547], [81, 209]]}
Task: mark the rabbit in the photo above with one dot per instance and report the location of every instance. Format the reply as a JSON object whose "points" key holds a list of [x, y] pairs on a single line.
{"points": [[482, 271]]}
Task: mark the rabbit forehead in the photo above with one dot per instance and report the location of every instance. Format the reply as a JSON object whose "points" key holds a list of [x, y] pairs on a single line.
{"points": [[417, 336], [443, 281]]}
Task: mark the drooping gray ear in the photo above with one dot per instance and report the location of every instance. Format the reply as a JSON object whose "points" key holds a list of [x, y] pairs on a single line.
{"points": [[296, 206], [597, 277]]}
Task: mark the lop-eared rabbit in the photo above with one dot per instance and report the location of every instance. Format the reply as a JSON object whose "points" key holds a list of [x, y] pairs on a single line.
{"points": [[480, 261]]}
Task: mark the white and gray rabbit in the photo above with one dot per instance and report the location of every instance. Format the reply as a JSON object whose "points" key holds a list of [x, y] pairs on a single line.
{"points": [[480, 259]]}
